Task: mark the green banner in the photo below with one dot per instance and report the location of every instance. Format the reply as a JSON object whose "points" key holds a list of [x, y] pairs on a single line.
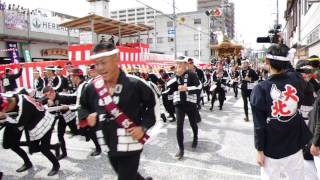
{"points": [[25, 49]]}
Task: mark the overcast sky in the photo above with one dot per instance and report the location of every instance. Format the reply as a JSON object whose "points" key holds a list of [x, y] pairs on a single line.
{"points": [[252, 17]]}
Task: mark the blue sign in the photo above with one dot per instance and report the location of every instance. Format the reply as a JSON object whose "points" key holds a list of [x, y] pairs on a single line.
{"points": [[171, 31]]}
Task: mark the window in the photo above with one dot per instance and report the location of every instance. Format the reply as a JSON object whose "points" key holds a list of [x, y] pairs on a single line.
{"points": [[140, 14], [170, 39], [197, 21], [196, 53], [186, 53], [170, 24], [160, 40], [149, 40]]}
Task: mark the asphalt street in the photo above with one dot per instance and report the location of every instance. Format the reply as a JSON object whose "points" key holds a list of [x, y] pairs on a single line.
{"points": [[225, 152]]}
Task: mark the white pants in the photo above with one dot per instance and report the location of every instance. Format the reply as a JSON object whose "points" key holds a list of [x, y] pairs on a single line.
{"points": [[292, 166], [310, 171], [317, 163]]}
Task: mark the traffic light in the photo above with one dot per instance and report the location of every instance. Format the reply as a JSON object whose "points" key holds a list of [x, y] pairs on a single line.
{"points": [[214, 12]]}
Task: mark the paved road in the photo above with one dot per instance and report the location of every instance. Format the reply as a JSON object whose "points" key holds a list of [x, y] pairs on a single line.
{"points": [[225, 151]]}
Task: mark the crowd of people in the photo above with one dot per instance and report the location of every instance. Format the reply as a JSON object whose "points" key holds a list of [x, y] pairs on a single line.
{"points": [[117, 108], [23, 10], [13, 7]]}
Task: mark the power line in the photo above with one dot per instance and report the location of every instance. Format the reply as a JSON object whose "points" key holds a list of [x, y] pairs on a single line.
{"points": [[171, 5], [172, 18]]}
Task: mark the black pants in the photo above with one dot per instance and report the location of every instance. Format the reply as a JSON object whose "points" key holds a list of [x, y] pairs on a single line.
{"points": [[62, 129], [93, 136], [45, 147], [235, 88], [245, 93], [207, 91], [191, 111], [199, 98], [168, 105], [221, 96], [90, 133], [126, 167], [11, 140]]}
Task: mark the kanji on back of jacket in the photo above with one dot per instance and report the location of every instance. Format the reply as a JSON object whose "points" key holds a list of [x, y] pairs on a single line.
{"points": [[131, 56]]}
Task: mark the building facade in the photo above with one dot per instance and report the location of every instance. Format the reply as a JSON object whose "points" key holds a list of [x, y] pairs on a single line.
{"points": [[139, 15], [33, 37], [99, 7], [302, 29], [225, 21], [192, 35]]}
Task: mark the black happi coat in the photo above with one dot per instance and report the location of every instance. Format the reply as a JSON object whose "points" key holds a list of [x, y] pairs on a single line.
{"points": [[9, 81], [279, 128], [193, 85], [32, 117], [250, 73], [39, 84], [135, 98]]}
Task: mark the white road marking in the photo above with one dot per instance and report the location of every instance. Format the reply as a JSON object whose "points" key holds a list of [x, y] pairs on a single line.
{"points": [[203, 169]]}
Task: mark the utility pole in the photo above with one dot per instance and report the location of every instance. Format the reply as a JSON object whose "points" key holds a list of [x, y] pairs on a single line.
{"points": [[175, 28], [277, 12]]}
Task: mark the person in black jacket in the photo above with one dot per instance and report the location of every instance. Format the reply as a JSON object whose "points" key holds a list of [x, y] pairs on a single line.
{"points": [[38, 84], [235, 74], [314, 61], [65, 116], [219, 80], [152, 76], [53, 80], [185, 87], [280, 132], [201, 77], [167, 98], [9, 79], [36, 121], [64, 81], [248, 78], [77, 79], [133, 96], [314, 126]]}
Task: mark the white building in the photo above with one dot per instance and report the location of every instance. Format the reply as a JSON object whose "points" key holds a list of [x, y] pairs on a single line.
{"points": [[99, 7], [303, 27], [190, 25], [139, 15]]}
